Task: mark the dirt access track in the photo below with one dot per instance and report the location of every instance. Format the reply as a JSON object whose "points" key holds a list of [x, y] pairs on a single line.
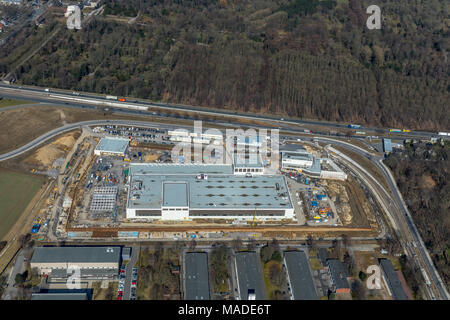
{"points": [[194, 228]]}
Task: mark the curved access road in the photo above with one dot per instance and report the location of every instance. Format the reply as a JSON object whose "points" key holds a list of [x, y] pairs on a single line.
{"points": [[403, 218]]}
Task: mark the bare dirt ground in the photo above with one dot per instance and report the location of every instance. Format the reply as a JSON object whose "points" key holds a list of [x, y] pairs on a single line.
{"points": [[26, 124], [45, 156], [351, 203]]}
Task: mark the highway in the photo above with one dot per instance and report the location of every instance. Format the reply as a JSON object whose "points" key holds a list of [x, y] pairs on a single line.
{"points": [[85, 100], [403, 219]]}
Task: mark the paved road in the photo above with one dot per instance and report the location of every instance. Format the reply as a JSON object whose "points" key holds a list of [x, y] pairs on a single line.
{"points": [[55, 95], [11, 291], [400, 212], [129, 272], [40, 95]]}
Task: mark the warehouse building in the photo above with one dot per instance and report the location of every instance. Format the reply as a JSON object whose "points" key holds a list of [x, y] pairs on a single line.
{"points": [[196, 276], [199, 191], [296, 159], [59, 263], [112, 146], [251, 141], [299, 276], [392, 281], [249, 276]]}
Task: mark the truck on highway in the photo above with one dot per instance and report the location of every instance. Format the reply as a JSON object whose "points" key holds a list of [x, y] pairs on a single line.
{"points": [[122, 100], [443, 133], [395, 130], [47, 90], [354, 126], [111, 97], [360, 132], [406, 130]]}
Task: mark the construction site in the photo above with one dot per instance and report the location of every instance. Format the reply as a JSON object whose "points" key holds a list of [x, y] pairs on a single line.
{"points": [[121, 182]]}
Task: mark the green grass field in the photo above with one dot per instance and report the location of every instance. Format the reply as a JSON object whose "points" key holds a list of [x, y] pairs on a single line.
{"points": [[16, 191], [5, 102]]}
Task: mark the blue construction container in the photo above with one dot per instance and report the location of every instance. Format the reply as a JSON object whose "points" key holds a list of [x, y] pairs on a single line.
{"points": [[314, 203], [35, 228]]}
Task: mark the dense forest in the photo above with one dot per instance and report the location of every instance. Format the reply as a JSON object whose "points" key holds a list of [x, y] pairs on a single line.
{"points": [[302, 58], [423, 175]]}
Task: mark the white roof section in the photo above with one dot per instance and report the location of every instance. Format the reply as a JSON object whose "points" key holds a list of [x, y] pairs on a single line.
{"points": [[215, 192], [178, 169], [175, 194], [112, 145]]}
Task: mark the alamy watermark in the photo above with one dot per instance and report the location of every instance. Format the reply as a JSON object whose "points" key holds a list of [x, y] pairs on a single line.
{"points": [[211, 146], [374, 279], [74, 278], [374, 20], [73, 15]]}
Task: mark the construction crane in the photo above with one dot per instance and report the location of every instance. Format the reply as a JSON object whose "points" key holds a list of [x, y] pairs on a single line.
{"points": [[254, 217]]}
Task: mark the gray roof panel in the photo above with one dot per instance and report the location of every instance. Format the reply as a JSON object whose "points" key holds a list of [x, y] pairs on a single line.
{"points": [[76, 254], [250, 277], [197, 276], [300, 276], [393, 280]]}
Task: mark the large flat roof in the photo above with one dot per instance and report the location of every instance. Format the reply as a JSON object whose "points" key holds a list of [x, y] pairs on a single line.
{"points": [[76, 254], [292, 147], [300, 275], [197, 276], [175, 194], [113, 145], [247, 160], [171, 168], [249, 273], [218, 191], [297, 156]]}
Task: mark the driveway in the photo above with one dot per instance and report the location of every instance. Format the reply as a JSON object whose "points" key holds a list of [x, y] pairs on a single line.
{"points": [[129, 271]]}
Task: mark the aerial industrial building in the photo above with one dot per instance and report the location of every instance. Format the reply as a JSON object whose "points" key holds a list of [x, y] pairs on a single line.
{"points": [[189, 191], [387, 145], [245, 164], [112, 146], [93, 262], [295, 157]]}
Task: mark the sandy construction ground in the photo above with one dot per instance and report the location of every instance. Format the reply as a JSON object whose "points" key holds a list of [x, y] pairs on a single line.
{"points": [[46, 155]]}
